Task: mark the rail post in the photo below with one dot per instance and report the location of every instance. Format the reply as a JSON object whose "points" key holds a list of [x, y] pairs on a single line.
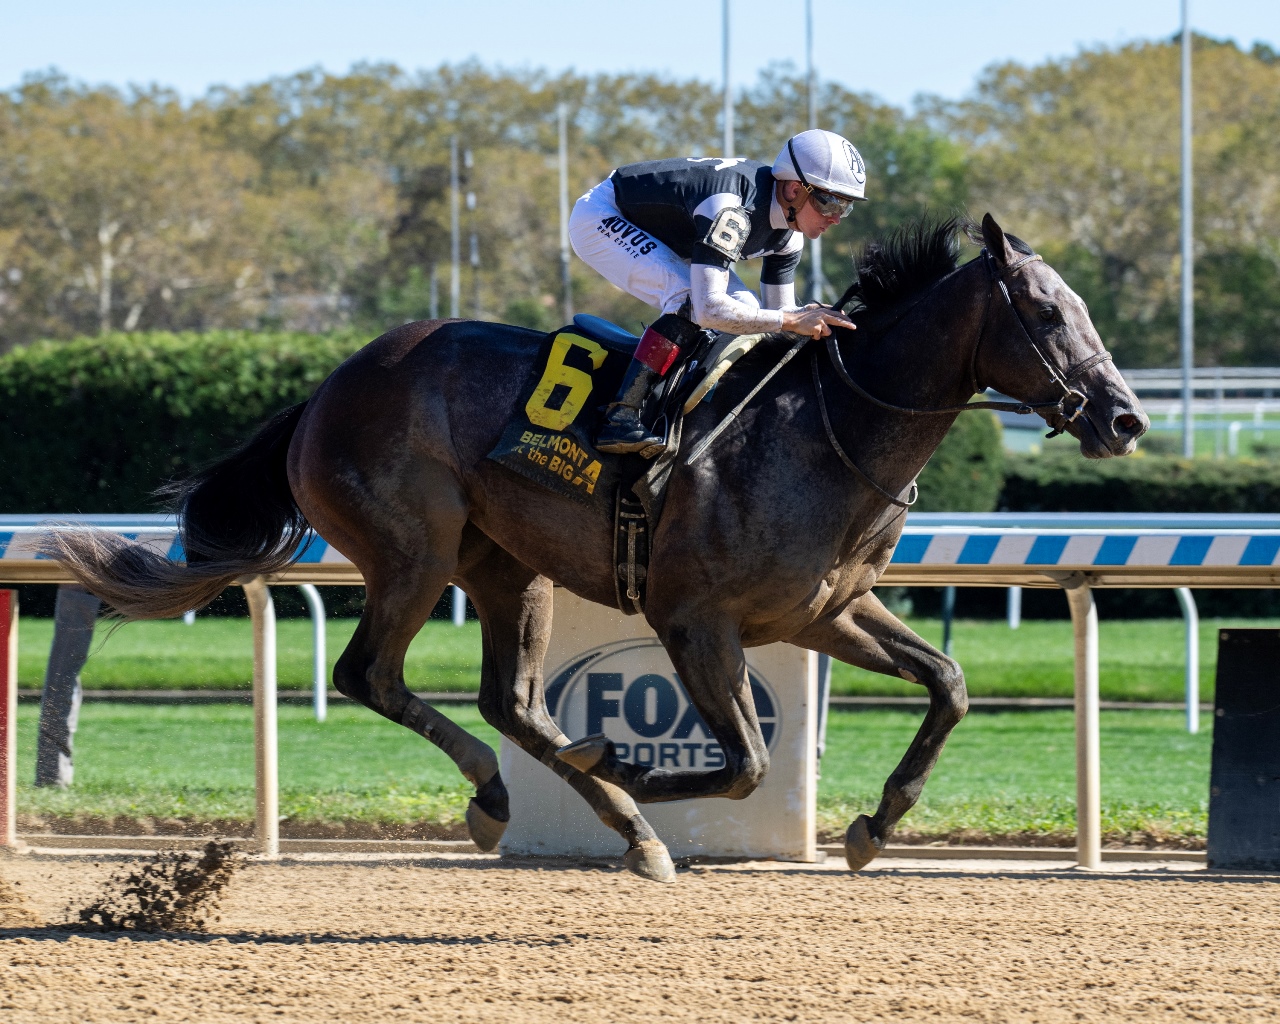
{"points": [[1191, 619], [1013, 607], [319, 677], [8, 718], [1084, 624], [265, 746]]}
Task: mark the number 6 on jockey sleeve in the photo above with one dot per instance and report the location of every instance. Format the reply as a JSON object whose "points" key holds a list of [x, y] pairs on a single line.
{"points": [[577, 381]]}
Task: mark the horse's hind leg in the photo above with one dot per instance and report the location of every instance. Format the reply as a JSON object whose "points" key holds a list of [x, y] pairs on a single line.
{"points": [[514, 605], [865, 634], [371, 670]]}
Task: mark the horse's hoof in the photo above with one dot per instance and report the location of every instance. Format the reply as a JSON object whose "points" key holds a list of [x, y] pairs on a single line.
{"points": [[650, 860], [485, 830], [860, 846], [586, 753]]}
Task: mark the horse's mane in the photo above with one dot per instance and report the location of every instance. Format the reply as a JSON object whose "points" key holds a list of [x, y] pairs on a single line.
{"points": [[910, 258]]}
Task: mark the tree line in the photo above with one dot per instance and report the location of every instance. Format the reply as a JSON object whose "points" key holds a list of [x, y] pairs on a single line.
{"points": [[319, 202]]}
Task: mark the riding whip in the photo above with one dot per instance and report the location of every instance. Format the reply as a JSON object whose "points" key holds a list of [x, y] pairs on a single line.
{"points": [[733, 414]]}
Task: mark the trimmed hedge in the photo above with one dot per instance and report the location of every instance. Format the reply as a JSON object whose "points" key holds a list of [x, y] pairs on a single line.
{"points": [[967, 471], [1065, 482], [97, 424]]}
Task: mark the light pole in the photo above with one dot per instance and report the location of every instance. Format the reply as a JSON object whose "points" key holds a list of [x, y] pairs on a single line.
{"points": [[728, 89], [455, 309], [468, 162], [817, 279], [562, 113], [1188, 310], [455, 241]]}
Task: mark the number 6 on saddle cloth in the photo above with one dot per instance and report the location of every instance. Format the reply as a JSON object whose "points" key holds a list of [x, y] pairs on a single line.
{"points": [[550, 438]]}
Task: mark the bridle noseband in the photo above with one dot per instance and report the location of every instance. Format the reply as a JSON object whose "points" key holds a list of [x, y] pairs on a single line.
{"points": [[1059, 415]]}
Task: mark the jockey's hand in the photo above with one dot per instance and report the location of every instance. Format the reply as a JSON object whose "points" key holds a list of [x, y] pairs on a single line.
{"points": [[815, 320]]}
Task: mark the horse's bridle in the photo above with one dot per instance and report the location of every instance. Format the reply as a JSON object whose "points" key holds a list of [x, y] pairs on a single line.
{"points": [[1065, 411]]}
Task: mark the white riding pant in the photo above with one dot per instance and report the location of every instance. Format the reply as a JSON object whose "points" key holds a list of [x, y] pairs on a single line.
{"points": [[632, 259]]}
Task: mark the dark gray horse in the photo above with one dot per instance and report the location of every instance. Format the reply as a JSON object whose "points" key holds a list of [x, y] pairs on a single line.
{"points": [[778, 534]]}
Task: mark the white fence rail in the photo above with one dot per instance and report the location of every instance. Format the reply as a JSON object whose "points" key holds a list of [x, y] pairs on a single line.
{"points": [[1074, 552]]}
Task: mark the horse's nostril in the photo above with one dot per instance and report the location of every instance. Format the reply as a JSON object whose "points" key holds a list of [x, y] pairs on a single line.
{"points": [[1128, 424]]}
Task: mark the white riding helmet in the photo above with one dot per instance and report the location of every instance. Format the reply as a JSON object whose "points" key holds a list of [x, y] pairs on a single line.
{"points": [[823, 160]]}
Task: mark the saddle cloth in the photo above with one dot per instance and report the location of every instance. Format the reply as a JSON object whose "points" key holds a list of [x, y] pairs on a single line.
{"points": [[549, 439]]}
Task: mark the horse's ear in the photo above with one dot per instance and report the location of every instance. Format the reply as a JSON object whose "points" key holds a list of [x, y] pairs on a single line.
{"points": [[997, 244]]}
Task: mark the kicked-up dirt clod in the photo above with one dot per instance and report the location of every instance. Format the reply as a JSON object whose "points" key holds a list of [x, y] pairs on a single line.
{"points": [[172, 892], [14, 912]]}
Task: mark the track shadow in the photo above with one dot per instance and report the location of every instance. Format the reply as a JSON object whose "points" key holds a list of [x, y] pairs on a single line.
{"points": [[1152, 875], [63, 933]]}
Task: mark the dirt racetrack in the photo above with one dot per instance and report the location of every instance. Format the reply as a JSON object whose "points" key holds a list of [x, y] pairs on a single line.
{"points": [[475, 939]]}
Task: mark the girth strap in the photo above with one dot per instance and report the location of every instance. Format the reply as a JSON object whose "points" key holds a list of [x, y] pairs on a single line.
{"points": [[630, 553]]}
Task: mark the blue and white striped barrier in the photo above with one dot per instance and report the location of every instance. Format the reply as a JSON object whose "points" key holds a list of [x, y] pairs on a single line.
{"points": [[21, 561], [1112, 550], [997, 548]]}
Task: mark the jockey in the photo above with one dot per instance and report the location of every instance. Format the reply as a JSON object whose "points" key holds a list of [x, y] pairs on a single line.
{"points": [[669, 231]]}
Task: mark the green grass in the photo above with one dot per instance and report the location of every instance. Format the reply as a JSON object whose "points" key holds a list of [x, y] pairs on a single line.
{"points": [[217, 653], [1139, 659], [195, 762], [1012, 773], [1005, 774]]}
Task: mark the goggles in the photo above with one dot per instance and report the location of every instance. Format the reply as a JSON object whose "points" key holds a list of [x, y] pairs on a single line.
{"points": [[828, 204]]}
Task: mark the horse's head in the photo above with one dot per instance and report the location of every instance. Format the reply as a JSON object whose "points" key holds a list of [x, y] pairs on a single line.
{"points": [[1040, 347]]}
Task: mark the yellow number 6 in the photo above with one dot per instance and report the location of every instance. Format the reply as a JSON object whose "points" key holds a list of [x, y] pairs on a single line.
{"points": [[577, 381]]}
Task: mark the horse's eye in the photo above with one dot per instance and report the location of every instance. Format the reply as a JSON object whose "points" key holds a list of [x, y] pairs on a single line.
{"points": [[1048, 313]]}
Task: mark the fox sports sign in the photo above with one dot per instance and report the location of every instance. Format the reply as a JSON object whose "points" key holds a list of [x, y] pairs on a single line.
{"points": [[628, 691]]}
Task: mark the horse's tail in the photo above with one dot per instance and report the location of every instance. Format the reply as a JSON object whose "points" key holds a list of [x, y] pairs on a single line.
{"points": [[236, 518]]}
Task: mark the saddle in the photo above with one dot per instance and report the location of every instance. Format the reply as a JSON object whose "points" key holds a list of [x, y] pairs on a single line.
{"points": [[550, 439]]}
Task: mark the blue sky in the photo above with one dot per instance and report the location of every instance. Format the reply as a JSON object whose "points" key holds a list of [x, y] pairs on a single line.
{"points": [[894, 48]]}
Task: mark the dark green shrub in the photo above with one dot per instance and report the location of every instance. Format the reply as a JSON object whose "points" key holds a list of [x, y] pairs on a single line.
{"points": [[1064, 482], [967, 471], [97, 424]]}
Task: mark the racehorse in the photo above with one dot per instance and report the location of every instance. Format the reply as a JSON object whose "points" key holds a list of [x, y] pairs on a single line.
{"points": [[777, 535]]}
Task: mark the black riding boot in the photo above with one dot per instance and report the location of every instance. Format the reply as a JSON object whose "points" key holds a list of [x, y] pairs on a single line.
{"points": [[622, 431], [661, 345]]}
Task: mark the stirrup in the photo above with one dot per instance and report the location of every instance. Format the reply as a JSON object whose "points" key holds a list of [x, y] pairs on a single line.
{"points": [[624, 433], [648, 446]]}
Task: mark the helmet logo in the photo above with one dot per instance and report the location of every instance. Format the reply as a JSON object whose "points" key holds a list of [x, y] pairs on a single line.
{"points": [[855, 162]]}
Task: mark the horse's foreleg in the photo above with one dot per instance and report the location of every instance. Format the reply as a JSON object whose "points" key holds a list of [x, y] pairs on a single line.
{"points": [[713, 669], [865, 634], [515, 605]]}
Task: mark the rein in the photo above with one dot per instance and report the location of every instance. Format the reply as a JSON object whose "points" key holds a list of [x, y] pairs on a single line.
{"points": [[844, 456], [1066, 410]]}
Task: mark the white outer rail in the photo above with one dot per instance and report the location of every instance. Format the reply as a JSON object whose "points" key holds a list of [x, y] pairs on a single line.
{"points": [[319, 677], [1139, 536]]}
